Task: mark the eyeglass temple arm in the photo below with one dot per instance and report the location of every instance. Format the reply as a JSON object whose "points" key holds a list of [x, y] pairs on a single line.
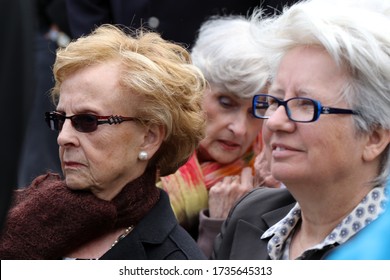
{"points": [[115, 119], [330, 110]]}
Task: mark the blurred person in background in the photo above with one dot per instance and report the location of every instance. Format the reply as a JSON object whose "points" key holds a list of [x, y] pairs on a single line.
{"points": [[16, 85], [177, 21], [39, 148]]}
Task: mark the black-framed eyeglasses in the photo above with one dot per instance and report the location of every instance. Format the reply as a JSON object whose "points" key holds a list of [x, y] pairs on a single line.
{"points": [[83, 122], [298, 109]]}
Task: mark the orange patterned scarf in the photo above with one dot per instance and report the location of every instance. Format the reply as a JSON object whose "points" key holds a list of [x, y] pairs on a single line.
{"points": [[188, 187]]}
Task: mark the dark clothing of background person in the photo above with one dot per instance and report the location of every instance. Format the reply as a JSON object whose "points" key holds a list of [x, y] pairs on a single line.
{"points": [[39, 151], [16, 87], [52, 12], [174, 20]]}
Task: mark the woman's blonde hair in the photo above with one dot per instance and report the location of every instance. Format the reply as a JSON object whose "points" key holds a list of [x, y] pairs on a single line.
{"points": [[159, 71]]}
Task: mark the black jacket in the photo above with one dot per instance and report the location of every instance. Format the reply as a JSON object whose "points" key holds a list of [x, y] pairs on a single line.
{"points": [[249, 219], [158, 236], [176, 20]]}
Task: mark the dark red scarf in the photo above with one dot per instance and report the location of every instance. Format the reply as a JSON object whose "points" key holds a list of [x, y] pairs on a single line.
{"points": [[48, 220]]}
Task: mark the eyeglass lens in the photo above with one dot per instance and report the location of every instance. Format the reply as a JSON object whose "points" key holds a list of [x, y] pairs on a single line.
{"points": [[297, 109], [81, 122]]}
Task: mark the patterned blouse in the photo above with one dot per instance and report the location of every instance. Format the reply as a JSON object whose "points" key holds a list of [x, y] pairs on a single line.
{"points": [[371, 206]]}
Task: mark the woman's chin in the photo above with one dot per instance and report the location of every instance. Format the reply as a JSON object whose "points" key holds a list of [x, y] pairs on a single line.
{"points": [[75, 183]]}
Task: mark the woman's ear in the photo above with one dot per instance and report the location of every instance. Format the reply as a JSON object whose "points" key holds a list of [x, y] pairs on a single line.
{"points": [[153, 138], [377, 142]]}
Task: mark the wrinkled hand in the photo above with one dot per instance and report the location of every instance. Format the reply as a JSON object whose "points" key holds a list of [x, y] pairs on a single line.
{"points": [[263, 176], [225, 193]]}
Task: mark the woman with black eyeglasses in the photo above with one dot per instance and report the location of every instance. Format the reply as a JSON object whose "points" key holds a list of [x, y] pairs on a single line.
{"points": [[326, 128], [119, 127]]}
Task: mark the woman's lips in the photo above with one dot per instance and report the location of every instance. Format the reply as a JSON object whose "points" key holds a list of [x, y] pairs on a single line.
{"points": [[281, 150], [228, 145], [72, 164]]}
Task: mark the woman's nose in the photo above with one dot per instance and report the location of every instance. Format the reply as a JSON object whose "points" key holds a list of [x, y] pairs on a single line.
{"points": [[279, 120], [67, 135], [238, 124]]}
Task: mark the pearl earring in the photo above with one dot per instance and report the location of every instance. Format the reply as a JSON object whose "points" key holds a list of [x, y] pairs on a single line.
{"points": [[143, 155]]}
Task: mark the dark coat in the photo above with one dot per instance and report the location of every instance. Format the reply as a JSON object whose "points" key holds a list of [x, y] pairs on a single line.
{"points": [[16, 88], [254, 214], [248, 220], [157, 237], [176, 20]]}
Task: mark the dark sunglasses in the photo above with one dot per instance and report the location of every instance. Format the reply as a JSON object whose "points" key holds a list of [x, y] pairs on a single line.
{"points": [[82, 122]]}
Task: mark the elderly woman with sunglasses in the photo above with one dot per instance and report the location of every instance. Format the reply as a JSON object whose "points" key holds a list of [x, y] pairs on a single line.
{"points": [[327, 128], [119, 127]]}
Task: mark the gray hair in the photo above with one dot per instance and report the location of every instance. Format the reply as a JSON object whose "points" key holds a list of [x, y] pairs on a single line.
{"points": [[356, 34], [228, 56]]}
